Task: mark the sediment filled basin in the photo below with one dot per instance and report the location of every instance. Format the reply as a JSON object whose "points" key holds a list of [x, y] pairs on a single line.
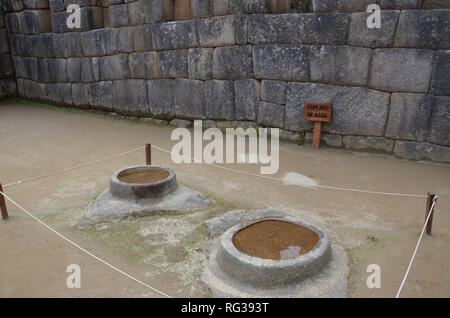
{"points": [[142, 182], [273, 252]]}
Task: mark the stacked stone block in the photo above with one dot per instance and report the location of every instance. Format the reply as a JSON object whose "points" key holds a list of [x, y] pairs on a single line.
{"points": [[8, 85], [248, 63]]}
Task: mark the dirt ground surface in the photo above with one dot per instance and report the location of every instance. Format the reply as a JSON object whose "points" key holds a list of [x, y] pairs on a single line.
{"points": [[374, 229]]}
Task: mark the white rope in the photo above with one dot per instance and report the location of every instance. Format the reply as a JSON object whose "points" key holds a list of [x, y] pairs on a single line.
{"points": [[417, 247], [82, 249], [291, 182], [75, 167]]}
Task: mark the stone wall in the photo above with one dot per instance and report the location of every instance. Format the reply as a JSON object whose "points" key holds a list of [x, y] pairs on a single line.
{"points": [[247, 63], [7, 73]]}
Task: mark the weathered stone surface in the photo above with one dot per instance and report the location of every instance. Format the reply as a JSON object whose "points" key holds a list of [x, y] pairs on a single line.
{"points": [[59, 93], [219, 99], [130, 97], [320, 28], [36, 4], [273, 91], [125, 39], [340, 5], [151, 11], [435, 4], [343, 65], [12, 5], [99, 42], [409, 116], [73, 67], [292, 136], [368, 144], [270, 114], [356, 110], [220, 224], [142, 38], [25, 67], [279, 6], [325, 139], [182, 10], [87, 70], [12, 21], [42, 45], [439, 132], [270, 28], [100, 95], [114, 67], [91, 18], [6, 66], [440, 80], [116, 16], [180, 123], [174, 35], [202, 8], [51, 70], [232, 62], [4, 45], [35, 21], [241, 29], [160, 98], [281, 62], [216, 31], [200, 61], [73, 42], [424, 29], [401, 70], [56, 5], [421, 151], [171, 64], [189, 98], [246, 98], [361, 35], [59, 45], [399, 4], [80, 95], [245, 6], [137, 65], [221, 7]]}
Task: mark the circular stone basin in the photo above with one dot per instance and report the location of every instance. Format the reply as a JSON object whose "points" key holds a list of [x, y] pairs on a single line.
{"points": [[273, 252], [142, 182], [274, 239]]}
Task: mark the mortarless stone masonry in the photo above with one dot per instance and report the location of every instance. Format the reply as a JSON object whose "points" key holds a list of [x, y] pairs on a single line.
{"points": [[243, 62]]}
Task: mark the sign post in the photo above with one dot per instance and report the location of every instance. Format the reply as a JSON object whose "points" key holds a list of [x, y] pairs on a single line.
{"points": [[318, 113]]}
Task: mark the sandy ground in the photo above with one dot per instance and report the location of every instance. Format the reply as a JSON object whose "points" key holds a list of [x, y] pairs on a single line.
{"points": [[374, 229]]}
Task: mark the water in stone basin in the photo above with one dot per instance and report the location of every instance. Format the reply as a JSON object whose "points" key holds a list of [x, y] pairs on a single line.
{"points": [[143, 176], [274, 239]]}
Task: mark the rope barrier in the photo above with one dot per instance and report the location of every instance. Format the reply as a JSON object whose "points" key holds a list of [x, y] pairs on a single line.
{"points": [[417, 247], [83, 249], [294, 183], [75, 167]]}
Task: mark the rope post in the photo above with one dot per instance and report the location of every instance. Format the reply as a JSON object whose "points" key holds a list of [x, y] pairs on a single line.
{"points": [[3, 204], [430, 199], [148, 154]]}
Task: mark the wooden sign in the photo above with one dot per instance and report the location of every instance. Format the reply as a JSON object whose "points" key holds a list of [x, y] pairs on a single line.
{"points": [[318, 113]]}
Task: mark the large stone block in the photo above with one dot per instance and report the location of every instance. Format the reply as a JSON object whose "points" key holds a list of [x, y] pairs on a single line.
{"points": [[4, 45], [424, 29], [421, 151], [279, 6], [368, 144], [325, 139], [74, 47], [440, 80], [356, 110], [99, 42], [51, 70], [246, 6], [247, 94], [150, 11], [399, 4], [221, 7], [219, 99], [161, 98], [125, 40], [42, 45], [216, 31], [100, 95], [409, 116], [114, 67], [202, 8], [116, 16], [171, 64], [189, 99], [87, 70], [36, 4], [281, 62], [56, 5], [60, 45], [361, 35], [340, 5], [142, 37], [439, 132], [435, 4], [25, 67], [80, 95], [130, 97], [174, 35], [241, 29], [232, 62], [58, 93], [73, 67], [35, 21], [200, 61], [137, 65], [12, 21], [91, 18], [273, 91], [401, 70], [182, 10], [12, 5], [270, 28], [271, 115], [342, 65]]}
